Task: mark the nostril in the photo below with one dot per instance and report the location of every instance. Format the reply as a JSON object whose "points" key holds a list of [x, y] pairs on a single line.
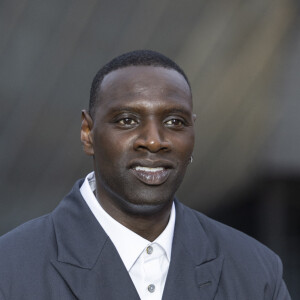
{"points": [[151, 145], [151, 138]]}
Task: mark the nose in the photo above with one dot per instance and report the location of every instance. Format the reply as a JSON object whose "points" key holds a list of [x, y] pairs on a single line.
{"points": [[151, 137]]}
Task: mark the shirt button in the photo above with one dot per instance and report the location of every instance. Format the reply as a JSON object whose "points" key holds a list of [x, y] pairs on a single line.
{"points": [[149, 250], [151, 288]]}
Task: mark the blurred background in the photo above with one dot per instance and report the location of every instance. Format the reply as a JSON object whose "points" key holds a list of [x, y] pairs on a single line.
{"points": [[243, 61]]}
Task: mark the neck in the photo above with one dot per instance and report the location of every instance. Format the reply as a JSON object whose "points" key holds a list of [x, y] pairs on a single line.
{"points": [[147, 221], [148, 227]]}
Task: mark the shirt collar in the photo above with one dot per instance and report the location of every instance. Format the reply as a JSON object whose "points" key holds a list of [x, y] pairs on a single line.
{"points": [[128, 244]]}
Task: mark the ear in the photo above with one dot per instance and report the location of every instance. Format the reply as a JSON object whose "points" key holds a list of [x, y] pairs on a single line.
{"points": [[86, 133]]}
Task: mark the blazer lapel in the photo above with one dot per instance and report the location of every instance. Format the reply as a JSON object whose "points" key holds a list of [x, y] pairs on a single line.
{"points": [[108, 279], [87, 259], [195, 268]]}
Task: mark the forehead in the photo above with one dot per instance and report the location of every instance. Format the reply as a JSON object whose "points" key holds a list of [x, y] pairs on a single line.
{"points": [[144, 83]]}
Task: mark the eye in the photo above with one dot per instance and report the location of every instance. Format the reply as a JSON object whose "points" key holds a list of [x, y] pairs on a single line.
{"points": [[127, 122], [174, 123]]}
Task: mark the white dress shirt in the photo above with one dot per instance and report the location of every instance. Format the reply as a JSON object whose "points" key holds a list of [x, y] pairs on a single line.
{"points": [[147, 262]]}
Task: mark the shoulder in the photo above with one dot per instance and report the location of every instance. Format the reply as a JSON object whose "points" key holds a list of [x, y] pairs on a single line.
{"points": [[25, 253], [27, 244], [34, 231], [40, 232], [225, 237], [247, 263], [241, 252]]}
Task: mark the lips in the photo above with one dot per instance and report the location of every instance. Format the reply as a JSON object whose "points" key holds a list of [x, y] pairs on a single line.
{"points": [[151, 176], [151, 172]]}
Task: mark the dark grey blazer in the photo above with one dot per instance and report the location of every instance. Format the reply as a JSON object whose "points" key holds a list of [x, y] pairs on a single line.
{"points": [[67, 255]]}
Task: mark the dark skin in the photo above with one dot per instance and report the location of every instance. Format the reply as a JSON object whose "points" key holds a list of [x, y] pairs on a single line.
{"points": [[141, 139]]}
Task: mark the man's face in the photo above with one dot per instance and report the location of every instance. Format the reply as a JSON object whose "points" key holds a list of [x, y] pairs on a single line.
{"points": [[142, 137]]}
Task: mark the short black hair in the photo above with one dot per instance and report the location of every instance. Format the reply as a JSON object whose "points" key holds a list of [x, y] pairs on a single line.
{"points": [[133, 58]]}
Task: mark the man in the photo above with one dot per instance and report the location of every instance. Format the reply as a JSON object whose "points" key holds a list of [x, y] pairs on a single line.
{"points": [[120, 233]]}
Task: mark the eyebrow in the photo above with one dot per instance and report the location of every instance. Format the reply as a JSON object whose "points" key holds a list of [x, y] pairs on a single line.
{"points": [[137, 109]]}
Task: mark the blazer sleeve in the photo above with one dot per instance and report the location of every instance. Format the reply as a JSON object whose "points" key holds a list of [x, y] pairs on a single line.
{"points": [[281, 291], [1, 295]]}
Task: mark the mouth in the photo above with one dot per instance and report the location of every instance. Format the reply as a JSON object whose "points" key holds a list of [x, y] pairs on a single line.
{"points": [[151, 175]]}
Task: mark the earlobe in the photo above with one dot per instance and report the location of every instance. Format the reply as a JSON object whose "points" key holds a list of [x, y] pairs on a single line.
{"points": [[86, 133], [194, 117]]}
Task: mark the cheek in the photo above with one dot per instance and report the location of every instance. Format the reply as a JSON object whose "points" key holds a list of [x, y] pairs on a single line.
{"points": [[184, 145], [110, 148]]}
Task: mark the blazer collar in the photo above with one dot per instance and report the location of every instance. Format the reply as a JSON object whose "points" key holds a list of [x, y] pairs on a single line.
{"points": [[195, 266], [190, 232], [86, 258], [79, 236]]}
